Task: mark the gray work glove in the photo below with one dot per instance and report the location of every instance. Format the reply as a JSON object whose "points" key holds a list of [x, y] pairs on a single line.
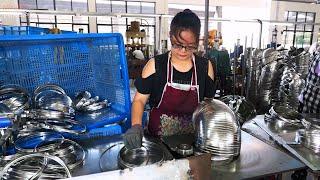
{"points": [[133, 137]]}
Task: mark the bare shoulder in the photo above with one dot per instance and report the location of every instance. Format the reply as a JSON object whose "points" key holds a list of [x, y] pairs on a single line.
{"points": [[149, 68]]}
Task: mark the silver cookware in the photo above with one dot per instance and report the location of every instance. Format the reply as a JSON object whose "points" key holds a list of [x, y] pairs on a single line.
{"points": [[217, 130]]}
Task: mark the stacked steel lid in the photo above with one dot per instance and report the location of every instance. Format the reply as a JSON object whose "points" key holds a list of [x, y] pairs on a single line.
{"points": [[283, 118], [217, 130]]}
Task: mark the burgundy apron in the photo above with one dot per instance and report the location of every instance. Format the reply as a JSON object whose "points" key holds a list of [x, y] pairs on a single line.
{"points": [[173, 115]]}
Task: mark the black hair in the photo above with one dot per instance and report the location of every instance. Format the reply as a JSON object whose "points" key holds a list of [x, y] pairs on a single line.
{"points": [[185, 20]]}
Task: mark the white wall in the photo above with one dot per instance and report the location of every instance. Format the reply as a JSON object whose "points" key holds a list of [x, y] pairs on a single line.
{"points": [[279, 8]]}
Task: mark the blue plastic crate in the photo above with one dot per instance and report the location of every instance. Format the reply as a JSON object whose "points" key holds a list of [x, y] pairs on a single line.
{"points": [[77, 62]]}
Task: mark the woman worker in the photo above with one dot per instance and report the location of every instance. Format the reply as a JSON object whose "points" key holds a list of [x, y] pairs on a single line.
{"points": [[174, 83]]}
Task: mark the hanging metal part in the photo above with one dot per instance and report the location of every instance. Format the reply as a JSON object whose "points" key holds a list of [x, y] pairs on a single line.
{"points": [[260, 33]]}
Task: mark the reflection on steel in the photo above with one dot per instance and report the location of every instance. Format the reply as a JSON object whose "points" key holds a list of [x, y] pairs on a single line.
{"points": [[310, 138], [217, 130], [307, 156]]}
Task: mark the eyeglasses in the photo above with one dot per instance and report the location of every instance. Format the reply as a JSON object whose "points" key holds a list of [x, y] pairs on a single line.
{"points": [[187, 48]]}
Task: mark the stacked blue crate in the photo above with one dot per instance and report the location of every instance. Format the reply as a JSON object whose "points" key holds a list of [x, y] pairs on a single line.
{"points": [[76, 62]]}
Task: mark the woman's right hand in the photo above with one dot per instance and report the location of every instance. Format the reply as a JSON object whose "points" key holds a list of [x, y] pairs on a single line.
{"points": [[133, 137]]}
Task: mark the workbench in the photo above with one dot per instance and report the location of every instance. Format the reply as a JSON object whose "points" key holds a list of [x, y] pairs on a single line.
{"points": [[257, 159]]}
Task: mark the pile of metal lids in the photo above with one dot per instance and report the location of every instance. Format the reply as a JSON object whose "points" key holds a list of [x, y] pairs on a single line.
{"points": [[217, 130], [310, 137], [42, 155]]}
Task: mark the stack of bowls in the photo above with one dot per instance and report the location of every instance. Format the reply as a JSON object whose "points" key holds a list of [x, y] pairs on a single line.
{"points": [[217, 130]]}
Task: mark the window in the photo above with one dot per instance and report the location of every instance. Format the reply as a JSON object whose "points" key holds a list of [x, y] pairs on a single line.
{"points": [[45, 5], [63, 5], [103, 6], [299, 34], [79, 5], [112, 24], [27, 4], [118, 6], [63, 22], [199, 10], [105, 29], [134, 7], [147, 8]]}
